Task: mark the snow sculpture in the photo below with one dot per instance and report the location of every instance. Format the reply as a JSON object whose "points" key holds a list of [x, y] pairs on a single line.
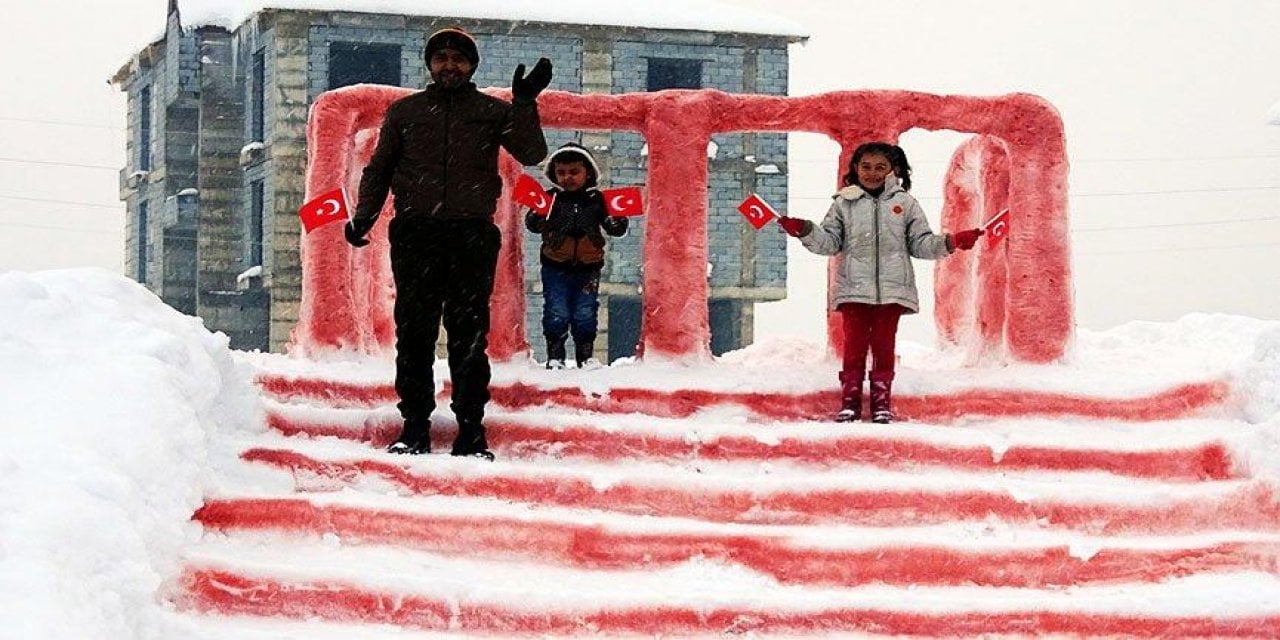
{"points": [[345, 300]]}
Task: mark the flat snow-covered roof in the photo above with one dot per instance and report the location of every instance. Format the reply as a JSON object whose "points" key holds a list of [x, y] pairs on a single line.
{"points": [[696, 15]]}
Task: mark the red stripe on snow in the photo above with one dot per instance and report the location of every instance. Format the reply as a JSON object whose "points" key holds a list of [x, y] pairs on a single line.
{"points": [[225, 592], [330, 390], [1251, 507], [1177, 402], [601, 547], [513, 439]]}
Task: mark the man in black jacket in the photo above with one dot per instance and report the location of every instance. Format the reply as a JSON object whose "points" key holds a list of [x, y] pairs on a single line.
{"points": [[438, 154]]}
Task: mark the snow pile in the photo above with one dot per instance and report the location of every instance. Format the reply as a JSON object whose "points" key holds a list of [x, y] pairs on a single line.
{"points": [[108, 400], [1273, 116], [1260, 381]]}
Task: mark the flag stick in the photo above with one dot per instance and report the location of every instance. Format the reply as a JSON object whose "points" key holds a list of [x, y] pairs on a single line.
{"points": [[988, 223]]}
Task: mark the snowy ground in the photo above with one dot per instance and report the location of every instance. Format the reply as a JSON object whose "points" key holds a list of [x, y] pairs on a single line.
{"points": [[118, 416]]}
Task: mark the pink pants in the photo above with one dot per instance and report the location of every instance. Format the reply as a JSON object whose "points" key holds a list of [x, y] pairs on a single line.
{"points": [[874, 327]]}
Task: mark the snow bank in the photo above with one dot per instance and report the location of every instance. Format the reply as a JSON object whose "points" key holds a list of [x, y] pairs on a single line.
{"points": [[1260, 382], [108, 400]]}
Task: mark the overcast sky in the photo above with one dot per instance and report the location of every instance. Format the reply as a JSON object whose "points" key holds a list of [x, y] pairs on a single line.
{"points": [[1175, 179]]}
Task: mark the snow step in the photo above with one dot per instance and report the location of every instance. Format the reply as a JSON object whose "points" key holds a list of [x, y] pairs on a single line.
{"points": [[812, 556], [1105, 506], [514, 436], [337, 583], [1182, 401]]}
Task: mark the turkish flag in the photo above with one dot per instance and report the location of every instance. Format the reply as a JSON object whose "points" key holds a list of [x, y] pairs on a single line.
{"points": [[997, 228], [757, 211], [529, 192], [623, 201], [330, 206]]}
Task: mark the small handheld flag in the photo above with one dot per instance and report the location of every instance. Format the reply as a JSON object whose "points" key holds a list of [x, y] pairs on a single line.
{"points": [[528, 192], [327, 207], [757, 211], [623, 201], [997, 228]]}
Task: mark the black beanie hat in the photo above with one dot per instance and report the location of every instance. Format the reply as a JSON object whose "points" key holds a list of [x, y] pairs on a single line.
{"points": [[454, 38]]}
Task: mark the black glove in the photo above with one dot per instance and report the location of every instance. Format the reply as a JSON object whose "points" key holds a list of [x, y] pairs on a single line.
{"points": [[355, 233], [526, 88]]}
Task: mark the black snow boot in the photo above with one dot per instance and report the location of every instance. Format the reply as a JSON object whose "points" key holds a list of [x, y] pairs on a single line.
{"points": [[471, 441], [584, 352], [881, 398], [555, 354], [415, 438], [850, 396]]}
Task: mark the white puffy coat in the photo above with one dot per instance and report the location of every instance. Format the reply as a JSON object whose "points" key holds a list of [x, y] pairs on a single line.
{"points": [[876, 239]]}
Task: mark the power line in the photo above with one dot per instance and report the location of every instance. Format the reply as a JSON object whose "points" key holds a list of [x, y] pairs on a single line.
{"points": [[1157, 193], [62, 123], [57, 228], [60, 164], [834, 160], [1259, 245], [116, 207], [1177, 224], [1101, 194]]}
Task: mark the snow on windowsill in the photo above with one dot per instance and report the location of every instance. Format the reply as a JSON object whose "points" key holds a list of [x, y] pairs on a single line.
{"points": [[252, 272]]}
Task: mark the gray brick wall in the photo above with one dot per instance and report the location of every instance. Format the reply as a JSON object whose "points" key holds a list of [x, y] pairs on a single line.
{"points": [[412, 43], [296, 49]]}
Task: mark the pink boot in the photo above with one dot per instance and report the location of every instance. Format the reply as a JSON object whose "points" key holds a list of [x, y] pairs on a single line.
{"points": [[881, 397], [850, 396]]}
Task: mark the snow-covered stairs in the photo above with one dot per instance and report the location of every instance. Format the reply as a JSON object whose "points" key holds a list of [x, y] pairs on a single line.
{"points": [[599, 520]]}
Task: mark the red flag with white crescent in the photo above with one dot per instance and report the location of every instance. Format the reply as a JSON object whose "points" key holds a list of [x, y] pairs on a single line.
{"points": [[528, 192], [327, 207], [997, 228], [623, 201], [757, 211]]}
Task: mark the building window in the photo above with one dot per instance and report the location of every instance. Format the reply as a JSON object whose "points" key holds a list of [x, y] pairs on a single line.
{"points": [[257, 117], [256, 212], [351, 63], [725, 319], [144, 129], [674, 73], [626, 313], [142, 243]]}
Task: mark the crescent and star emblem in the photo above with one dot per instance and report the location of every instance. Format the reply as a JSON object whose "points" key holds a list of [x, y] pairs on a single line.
{"points": [[617, 203], [756, 211], [325, 209]]}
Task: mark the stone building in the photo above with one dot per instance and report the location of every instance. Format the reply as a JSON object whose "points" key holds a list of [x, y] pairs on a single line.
{"points": [[217, 111]]}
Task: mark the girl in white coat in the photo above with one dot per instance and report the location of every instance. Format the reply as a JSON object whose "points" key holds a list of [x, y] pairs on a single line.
{"points": [[876, 227]]}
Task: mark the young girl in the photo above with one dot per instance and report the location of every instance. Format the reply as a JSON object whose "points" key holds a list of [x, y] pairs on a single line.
{"points": [[572, 254], [877, 227]]}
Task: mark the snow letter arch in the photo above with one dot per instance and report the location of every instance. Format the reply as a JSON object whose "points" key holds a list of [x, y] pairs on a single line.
{"points": [[1013, 299]]}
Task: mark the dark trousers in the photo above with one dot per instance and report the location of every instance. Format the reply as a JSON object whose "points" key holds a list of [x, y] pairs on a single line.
{"points": [[443, 269], [874, 327], [570, 301]]}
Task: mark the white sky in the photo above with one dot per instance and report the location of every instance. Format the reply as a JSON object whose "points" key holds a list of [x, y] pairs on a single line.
{"points": [[1165, 102]]}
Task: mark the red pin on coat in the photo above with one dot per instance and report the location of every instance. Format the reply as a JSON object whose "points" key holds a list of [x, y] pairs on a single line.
{"points": [[529, 192], [623, 201], [757, 211], [330, 206]]}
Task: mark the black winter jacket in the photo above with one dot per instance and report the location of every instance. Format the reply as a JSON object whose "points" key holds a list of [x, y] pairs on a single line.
{"points": [[571, 233], [438, 153]]}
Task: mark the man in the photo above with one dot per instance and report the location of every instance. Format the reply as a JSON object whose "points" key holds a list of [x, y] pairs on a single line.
{"points": [[438, 154]]}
